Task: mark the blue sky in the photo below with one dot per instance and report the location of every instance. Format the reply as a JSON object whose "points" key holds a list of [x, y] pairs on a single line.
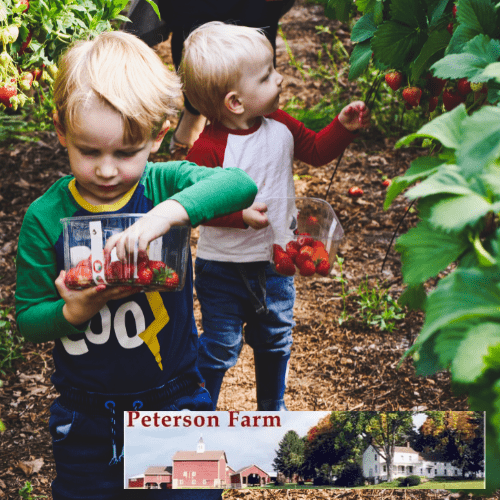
{"points": [[146, 446]]}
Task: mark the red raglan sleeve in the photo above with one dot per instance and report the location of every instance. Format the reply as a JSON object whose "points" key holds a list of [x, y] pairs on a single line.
{"points": [[208, 151], [316, 148]]}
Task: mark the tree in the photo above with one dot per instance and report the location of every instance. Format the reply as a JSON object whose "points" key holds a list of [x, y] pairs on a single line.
{"points": [[458, 435], [290, 454]]}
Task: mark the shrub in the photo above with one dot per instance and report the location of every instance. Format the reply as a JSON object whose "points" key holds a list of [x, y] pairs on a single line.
{"points": [[321, 481], [351, 475], [410, 481]]}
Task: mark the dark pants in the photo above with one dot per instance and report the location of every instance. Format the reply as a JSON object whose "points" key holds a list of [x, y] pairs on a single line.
{"points": [[87, 436]]}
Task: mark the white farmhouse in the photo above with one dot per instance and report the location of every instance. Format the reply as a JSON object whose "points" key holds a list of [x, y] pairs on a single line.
{"points": [[407, 462]]}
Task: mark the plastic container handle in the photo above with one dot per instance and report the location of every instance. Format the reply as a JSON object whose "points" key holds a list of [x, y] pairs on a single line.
{"points": [[97, 251]]}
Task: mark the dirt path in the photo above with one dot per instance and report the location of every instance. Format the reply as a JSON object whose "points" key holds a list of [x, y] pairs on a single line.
{"points": [[333, 367]]}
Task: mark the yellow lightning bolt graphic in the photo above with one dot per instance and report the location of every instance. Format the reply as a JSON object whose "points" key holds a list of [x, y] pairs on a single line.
{"points": [[149, 335]]}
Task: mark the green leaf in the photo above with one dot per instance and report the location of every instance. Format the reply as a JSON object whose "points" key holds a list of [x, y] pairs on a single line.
{"points": [[413, 297], [395, 44], [446, 344], [457, 212], [446, 128], [426, 251], [364, 29], [480, 141], [438, 12], [471, 359], [478, 15], [436, 43], [365, 6], [409, 13], [447, 180], [461, 35], [338, 9], [465, 296], [360, 59], [422, 167], [492, 71]]}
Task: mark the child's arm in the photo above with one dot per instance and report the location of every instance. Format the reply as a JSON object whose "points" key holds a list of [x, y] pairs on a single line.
{"points": [[200, 194], [320, 148]]}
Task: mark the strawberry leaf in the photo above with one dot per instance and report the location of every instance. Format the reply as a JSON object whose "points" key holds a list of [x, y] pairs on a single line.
{"points": [[413, 297], [364, 29], [421, 168], [479, 15], [360, 59], [426, 251], [411, 14], [395, 44], [446, 128], [433, 48], [339, 9], [460, 300]]}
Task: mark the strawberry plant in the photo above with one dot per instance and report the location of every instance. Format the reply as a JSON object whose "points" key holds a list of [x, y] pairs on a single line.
{"points": [[450, 50]]}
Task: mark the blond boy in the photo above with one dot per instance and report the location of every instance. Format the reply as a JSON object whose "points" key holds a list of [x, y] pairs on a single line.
{"points": [[229, 76], [113, 95]]}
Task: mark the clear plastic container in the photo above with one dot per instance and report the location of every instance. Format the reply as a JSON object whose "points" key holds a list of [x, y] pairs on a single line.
{"points": [[306, 236], [162, 268]]}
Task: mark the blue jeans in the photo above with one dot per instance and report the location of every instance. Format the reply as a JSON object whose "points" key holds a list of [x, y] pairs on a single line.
{"points": [[84, 443], [226, 305]]}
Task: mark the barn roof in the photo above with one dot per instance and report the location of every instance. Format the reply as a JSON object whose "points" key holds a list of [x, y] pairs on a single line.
{"points": [[158, 469], [400, 449], [194, 455], [239, 471]]}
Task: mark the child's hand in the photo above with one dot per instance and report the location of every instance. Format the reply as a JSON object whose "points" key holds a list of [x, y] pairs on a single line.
{"points": [[154, 224], [81, 305], [255, 217], [355, 116]]}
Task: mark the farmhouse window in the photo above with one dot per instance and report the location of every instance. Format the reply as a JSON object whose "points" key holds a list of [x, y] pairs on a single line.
{"points": [[185, 474], [193, 473], [445, 473], [385, 468], [401, 468], [194, 481], [375, 457], [204, 481], [435, 471], [376, 468]]}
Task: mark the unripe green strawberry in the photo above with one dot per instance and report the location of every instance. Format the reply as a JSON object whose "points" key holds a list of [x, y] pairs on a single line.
{"points": [[53, 70], [5, 59], [476, 87], [46, 77], [22, 99], [26, 81], [11, 33]]}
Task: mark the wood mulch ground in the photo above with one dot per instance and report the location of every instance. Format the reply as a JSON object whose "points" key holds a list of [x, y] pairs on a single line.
{"points": [[333, 367]]}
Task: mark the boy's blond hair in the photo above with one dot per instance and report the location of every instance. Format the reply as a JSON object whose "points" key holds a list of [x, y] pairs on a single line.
{"points": [[124, 73], [211, 63]]}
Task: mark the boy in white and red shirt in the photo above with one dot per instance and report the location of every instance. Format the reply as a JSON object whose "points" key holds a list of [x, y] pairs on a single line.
{"points": [[229, 75]]}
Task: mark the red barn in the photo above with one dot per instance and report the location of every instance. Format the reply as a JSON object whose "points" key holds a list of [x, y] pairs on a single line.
{"points": [[136, 482], [200, 468], [229, 472], [249, 476], [158, 477]]}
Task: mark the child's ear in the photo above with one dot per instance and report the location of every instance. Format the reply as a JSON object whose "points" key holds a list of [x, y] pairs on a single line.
{"points": [[233, 103], [59, 130], [159, 138]]}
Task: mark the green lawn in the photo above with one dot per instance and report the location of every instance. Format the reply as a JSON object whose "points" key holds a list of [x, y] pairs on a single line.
{"points": [[455, 484]]}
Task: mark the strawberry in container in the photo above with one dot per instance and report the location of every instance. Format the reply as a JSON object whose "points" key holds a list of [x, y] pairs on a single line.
{"points": [[306, 239], [161, 268]]}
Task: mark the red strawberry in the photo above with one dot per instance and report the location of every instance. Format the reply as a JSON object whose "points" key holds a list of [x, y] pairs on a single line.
{"points": [[6, 93], [433, 102], [451, 99], [454, 11], [307, 268], [412, 95], [317, 243], [450, 28], [386, 182], [312, 221], [355, 192], [323, 267], [292, 249], [306, 250], [394, 80], [319, 254], [463, 86], [171, 278], [157, 264], [305, 239], [284, 265], [37, 74], [435, 85], [144, 275], [142, 260], [79, 277], [301, 258]]}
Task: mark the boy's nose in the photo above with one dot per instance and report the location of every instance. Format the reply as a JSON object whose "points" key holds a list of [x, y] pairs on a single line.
{"points": [[106, 169]]}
